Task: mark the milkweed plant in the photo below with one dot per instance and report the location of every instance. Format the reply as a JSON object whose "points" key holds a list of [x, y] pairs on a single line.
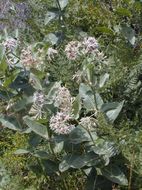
{"points": [[67, 124]]}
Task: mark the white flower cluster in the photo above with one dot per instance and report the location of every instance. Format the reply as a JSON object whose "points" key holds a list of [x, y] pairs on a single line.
{"points": [[60, 123], [88, 46], [10, 44], [72, 49], [51, 53], [63, 100], [87, 122], [27, 58]]}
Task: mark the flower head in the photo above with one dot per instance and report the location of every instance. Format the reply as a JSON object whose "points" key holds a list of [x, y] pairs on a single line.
{"points": [[27, 58], [87, 122], [10, 44], [90, 45], [60, 123], [63, 99], [72, 49]]}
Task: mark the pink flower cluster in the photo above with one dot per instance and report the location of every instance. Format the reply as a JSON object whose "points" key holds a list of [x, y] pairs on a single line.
{"points": [[72, 49], [60, 123], [63, 100], [89, 45], [10, 44], [27, 58]]}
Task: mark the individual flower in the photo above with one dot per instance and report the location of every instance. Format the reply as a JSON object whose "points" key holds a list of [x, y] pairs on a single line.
{"points": [[27, 58], [10, 44], [51, 53], [72, 49], [63, 99], [59, 123], [87, 122], [90, 45]]}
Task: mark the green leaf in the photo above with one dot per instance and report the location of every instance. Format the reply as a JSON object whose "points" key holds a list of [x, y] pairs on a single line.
{"points": [[50, 167], [78, 135], [104, 148], [22, 104], [128, 33], [21, 151], [87, 97], [2, 52], [10, 122], [3, 66], [41, 154], [114, 174], [49, 17], [63, 3], [103, 79], [112, 110], [95, 182], [36, 127], [99, 100], [52, 38], [58, 147], [52, 92], [76, 107], [105, 30], [36, 82], [91, 180], [76, 161], [123, 12]]}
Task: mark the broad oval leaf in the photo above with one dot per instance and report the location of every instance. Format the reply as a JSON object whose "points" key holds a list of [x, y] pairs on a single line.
{"points": [[49, 17], [36, 127], [77, 161], [21, 151], [114, 174], [10, 122], [63, 3], [87, 97], [112, 110]]}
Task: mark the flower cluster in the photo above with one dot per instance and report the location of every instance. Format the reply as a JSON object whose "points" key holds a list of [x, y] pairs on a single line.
{"points": [[51, 53], [63, 100], [60, 123], [27, 58], [10, 44], [87, 122], [72, 49], [89, 46]]}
